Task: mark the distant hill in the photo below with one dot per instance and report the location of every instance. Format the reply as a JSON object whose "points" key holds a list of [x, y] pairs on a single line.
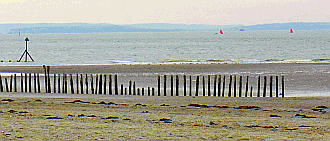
{"points": [[287, 26], [39, 28]]}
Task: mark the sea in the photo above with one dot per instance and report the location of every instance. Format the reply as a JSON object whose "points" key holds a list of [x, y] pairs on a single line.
{"points": [[167, 47]]}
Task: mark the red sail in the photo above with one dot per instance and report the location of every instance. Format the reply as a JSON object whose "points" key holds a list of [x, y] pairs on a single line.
{"points": [[291, 31], [221, 31]]}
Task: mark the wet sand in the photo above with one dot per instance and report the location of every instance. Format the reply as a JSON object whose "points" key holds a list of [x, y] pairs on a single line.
{"points": [[100, 117], [301, 79]]}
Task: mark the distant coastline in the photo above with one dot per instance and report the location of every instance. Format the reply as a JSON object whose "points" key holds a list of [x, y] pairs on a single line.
{"points": [[45, 28]]}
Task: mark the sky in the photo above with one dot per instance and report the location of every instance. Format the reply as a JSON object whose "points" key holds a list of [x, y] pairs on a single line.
{"points": [[210, 12]]}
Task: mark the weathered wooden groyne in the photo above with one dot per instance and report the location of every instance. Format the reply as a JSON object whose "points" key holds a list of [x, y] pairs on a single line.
{"points": [[217, 85]]}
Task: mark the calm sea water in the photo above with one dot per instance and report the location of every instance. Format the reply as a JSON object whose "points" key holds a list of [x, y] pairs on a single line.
{"points": [[177, 47]]}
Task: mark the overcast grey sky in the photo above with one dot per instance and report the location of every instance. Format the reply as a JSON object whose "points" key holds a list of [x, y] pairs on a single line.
{"points": [[212, 12]]}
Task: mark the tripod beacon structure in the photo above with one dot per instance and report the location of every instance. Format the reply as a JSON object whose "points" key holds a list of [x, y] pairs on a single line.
{"points": [[26, 53]]}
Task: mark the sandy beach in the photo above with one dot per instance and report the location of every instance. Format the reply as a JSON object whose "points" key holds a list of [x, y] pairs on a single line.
{"points": [[99, 117], [44, 116]]}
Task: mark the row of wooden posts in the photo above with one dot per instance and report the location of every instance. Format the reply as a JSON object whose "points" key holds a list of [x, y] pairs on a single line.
{"points": [[101, 85]]}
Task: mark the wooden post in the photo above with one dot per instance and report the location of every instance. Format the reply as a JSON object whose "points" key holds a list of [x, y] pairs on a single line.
{"points": [[153, 91], [138, 91], [81, 84], [71, 84], [148, 91], [63, 85], [46, 89], [203, 83], [271, 86], [234, 85], [282, 86], [100, 84], [197, 85], [121, 89], [26, 82], [125, 90], [38, 79], [164, 85], [1, 86], [171, 85], [184, 85], [134, 90], [116, 84], [265, 86], [276, 85], [22, 79], [142, 91], [105, 84], [59, 83], [251, 91], [219, 86], [30, 83], [240, 87], [77, 82], [66, 83], [208, 85], [96, 83], [15, 83], [54, 83], [130, 88], [110, 84], [190, 87], [158, 85], [48, 79], [86, 83], [229, 86], [247, 86], [223, 85], [258, 91], [11, 83], [177, 85], [215, 86], [6, 84], [92, 84]]}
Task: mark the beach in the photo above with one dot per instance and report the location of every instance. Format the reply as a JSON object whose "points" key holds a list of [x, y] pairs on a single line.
{"points": [[302, 115], [100, 117]]}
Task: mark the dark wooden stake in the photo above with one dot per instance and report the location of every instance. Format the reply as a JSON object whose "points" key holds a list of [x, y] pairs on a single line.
{"points": [[105, 84], [134, 90], [177, 85], [122, 89], [265, 86], [22, 79], [203, 83], [164, 85], [100, 84], [247, 86], [110, 84], [258, 91], [86, 83], [46, 81], [38, 79], [219, 86], [77, 83], [234, 85], [26, 82], [251, 91], [30, 83], [223, 85], [15, 83], [190, 87], [81, 84], [71, 84], [96, 83], [158, 85], [197, 85], [276, 85], [130, 88], [215, 86], [209, 85], [271, 86], [54, 83], [92, 84], [6, 84], [116, 84], [184, 85], [282, 86], [240, 87], [171, 85], [148, 91]]}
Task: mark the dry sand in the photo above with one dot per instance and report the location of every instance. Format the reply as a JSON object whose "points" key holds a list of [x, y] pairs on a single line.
{"points": [[161, 118]]}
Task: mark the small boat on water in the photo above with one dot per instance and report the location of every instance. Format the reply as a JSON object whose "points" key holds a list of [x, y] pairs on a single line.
{"points": [[221, 31], [291, 31], [242, 29]]}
